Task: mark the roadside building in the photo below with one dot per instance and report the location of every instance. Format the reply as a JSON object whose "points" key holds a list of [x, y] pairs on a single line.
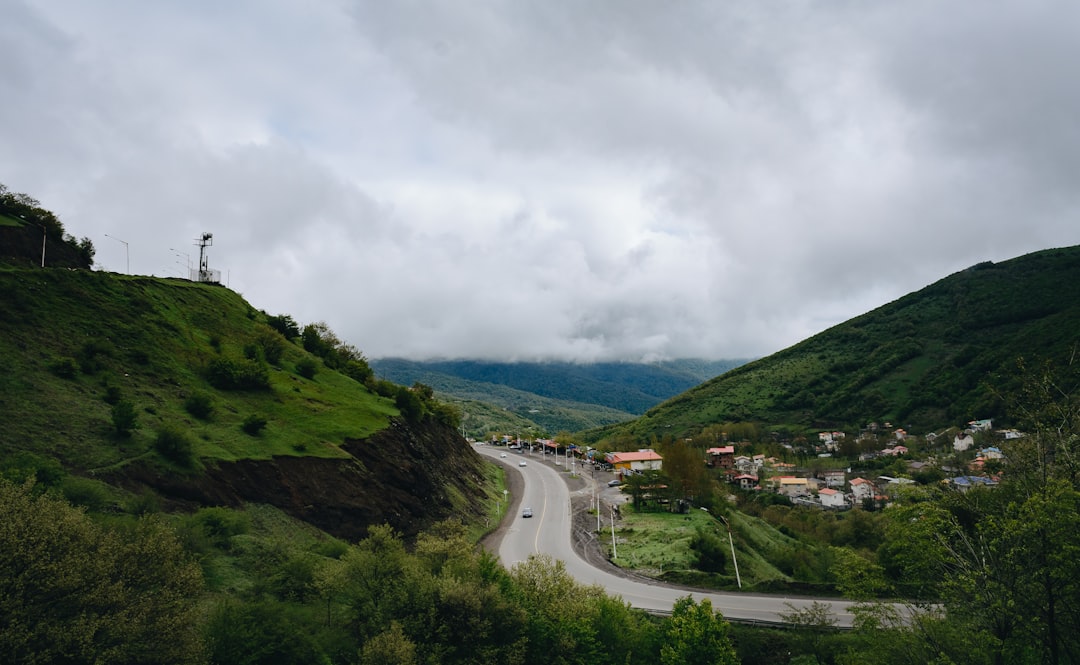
{"points": [[642, 460]]}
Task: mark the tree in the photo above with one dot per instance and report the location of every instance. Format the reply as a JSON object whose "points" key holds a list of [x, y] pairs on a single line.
{"points": [[73, 591], [695, 635]]}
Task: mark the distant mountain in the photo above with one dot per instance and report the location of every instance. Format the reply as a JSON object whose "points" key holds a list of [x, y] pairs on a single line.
{"points": [[554, 396], [941, 356]]}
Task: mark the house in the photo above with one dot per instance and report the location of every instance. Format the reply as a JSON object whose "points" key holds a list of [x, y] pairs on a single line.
{"points": [[833, 477], [895, 451], [791, 486], [830, 498], [964, 483], [723, 457], [861, 488], [962, 441], [980, 425], [745, 464], [991, 453], [642, 460], [746, 481]]}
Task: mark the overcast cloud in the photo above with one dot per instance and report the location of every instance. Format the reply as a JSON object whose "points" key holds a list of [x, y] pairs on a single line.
{"points": [[562, 179]]}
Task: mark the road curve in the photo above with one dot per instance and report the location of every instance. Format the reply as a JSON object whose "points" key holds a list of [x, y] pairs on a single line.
{"points": [[548, 532]]}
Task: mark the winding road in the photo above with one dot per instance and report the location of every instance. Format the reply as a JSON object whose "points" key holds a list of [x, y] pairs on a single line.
{"points": [[549, 532]]}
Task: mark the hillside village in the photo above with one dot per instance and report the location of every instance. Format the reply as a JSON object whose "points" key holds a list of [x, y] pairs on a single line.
{"points": [[828, 473]]}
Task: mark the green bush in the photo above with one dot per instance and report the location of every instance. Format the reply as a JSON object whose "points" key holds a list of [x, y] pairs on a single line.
{"points": [[112, 395], [253, 424], [306, 368], [65, 368], [175, 446], [199, 405], [124, 419], [91, 494], [238, 374]]}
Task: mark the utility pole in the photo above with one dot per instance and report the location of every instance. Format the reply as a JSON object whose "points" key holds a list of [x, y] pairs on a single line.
{"points": [[614, 552]]}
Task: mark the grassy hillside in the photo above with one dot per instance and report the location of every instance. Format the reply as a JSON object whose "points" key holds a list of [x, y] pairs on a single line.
{"points": [[150, 341], [553, 397], [220, 407], [934, 358]]}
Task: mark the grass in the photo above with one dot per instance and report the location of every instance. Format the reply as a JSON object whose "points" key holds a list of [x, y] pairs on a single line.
{"points": [[658, 544], [149, 341]]}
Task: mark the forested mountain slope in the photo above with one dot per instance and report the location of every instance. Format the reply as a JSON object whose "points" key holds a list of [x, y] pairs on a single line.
{"points": [[940, 356], [555, 396]]}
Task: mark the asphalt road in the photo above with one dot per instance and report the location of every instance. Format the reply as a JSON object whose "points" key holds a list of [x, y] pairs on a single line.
{"points": [[548, 532]]}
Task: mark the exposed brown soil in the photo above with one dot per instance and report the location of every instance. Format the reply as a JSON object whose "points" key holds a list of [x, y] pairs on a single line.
{"points": [[402, 476]]}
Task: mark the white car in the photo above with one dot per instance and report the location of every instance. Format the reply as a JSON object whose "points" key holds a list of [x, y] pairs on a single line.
{"points": [[523, 463], [502, 454]]}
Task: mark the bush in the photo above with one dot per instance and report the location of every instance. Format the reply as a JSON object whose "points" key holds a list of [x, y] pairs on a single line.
{"points": [[112, 395], [65, 368], [123, 418], [238, 374], [709, 550], [253, 424], [175, 446], [199, 405], [91, 494], [306, 368]]}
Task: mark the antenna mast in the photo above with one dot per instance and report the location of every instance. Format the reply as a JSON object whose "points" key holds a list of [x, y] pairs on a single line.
{"points": [[207, 240]]}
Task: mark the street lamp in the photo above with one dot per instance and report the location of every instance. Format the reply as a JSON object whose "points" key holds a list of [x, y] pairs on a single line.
{"points": [[127, 254], [730, 542]]}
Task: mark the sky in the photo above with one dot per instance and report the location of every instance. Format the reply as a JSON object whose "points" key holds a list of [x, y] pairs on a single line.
{"points": [[568, 179]]}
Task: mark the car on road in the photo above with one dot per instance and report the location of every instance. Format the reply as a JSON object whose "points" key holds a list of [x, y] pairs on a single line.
{"points": [[502, 454], [523, 463], [527, 512], [613, 483]]}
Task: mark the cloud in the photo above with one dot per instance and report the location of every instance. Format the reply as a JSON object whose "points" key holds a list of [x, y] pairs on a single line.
{"points": [[551, 180]]}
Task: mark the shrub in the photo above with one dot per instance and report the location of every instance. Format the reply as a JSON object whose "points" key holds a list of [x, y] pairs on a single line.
{"points": [[709, 551], [199, 405], [112, 395], [271, 344], [91, 494], [123, 418], [306, 368], [238, 374], [65, 368], [175, 446], [253, 424]]}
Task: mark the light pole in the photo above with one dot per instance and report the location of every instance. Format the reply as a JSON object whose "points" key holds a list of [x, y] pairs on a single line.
{"points": [[186, 256], [127, 253], [730, 542], [614, 551]]}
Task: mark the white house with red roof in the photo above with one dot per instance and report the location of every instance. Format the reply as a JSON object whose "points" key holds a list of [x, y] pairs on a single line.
{"points": [[831, 498], [861, 488]]}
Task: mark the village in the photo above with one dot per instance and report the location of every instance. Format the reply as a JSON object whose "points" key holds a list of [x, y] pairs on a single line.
{"points": [[821, 477]]}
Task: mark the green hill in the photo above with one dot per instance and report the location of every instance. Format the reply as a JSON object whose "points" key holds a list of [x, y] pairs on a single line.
{"points": [[183, 390], [940, 356], [552, 396]]}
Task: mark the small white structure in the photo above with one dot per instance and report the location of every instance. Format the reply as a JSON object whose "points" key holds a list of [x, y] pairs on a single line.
{"points": [[963, 441], [831, 498], [861, 488]]}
